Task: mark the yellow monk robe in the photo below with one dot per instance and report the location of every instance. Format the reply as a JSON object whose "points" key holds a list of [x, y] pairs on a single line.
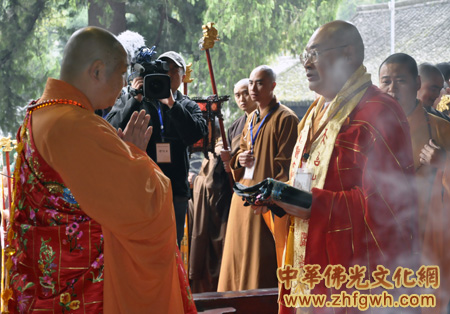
{"points": [[120, 187], [250, 256], [434, 198]]}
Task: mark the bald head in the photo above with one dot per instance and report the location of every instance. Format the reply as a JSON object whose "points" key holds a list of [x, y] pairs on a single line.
{"points": [[268, 72], [334, 52], [261, 85], [242, 96], [95, 62], [86, 46], [344, 33], [428, 71], [240, 83], [432, 83]]}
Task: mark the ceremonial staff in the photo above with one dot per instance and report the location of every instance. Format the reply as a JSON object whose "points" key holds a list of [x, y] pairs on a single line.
{"points": [[210, 36], [184, 248]]}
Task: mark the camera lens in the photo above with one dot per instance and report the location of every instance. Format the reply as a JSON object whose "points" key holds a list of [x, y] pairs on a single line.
{"points": [[157, 86]]}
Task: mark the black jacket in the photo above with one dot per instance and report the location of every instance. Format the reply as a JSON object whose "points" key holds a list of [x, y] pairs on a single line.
{"points": [[183, 126]]}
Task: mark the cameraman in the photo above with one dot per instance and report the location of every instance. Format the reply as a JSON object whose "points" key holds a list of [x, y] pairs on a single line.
{"points": [[177, 123]]}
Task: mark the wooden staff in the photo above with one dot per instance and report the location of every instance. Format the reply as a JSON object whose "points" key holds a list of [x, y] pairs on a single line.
{"points": [[210, 36], [184, 248]]}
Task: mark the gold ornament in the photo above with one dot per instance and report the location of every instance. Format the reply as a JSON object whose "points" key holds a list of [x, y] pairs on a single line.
{"points": [[444, 104], [210, 35], [187, 78], [5, 143]]}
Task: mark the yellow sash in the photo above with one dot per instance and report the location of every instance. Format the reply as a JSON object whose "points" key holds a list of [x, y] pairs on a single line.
{"points": [[320, 155]]}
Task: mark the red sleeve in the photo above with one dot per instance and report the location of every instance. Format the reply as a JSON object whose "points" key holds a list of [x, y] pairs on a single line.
{"points": [[366, 214]]}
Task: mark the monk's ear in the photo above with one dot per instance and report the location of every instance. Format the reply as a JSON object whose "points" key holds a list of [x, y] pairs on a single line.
{"points": [[418, 82], [96, 70], [273, 85], [349, 52]]}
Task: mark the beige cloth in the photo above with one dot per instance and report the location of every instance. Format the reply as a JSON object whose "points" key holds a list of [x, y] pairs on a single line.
{"points": [[250, 255]]}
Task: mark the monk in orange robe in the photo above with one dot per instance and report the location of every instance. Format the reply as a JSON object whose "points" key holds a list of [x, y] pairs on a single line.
{"points": [[92, 227], [354, 154], [431, 144]]}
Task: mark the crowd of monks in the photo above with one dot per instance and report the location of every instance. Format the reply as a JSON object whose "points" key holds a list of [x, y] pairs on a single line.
{"points": [[378, 175], [92, 225]]}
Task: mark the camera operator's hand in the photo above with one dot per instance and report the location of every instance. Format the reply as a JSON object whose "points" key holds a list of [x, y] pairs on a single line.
{"points": [[168, 101], [137, 84], [136, 130]]}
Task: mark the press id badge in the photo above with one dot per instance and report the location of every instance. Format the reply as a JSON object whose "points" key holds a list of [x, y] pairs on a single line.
{"points": [[248, 174], [303, 178], [163, 153]]}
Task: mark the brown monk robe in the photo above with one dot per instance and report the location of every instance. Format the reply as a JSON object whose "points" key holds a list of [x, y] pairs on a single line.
{"points": [[434, 198], [211, 201], [430, 146], [249, 259], [211, 204]]}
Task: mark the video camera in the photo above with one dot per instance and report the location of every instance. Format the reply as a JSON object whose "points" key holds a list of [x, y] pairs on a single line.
{"points": [[156, 80]]}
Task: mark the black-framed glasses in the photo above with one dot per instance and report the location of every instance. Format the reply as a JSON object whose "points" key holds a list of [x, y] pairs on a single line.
{"points": [[313, 55]]}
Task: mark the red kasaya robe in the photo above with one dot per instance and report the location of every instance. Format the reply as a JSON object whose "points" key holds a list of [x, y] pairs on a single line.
{"points": [[83, 199], [366, 212]]}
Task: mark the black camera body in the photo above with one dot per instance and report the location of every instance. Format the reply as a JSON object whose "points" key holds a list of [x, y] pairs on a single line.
{"points": [[154, 72]]}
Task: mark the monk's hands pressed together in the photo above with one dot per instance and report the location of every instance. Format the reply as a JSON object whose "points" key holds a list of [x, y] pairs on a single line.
{"points": [[246, 159], [137, 130], [431, 154]]}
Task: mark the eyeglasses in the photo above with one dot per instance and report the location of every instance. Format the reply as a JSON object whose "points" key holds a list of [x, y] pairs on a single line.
{"points": [[313, 55]]}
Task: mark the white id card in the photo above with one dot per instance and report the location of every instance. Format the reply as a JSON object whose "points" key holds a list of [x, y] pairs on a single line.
{"points": [[302, 179], [163, 153], [249, 171]]}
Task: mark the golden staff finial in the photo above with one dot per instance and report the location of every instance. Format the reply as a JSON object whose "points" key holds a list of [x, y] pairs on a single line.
{"points": [[5, 143], [187, 78], [210, 36], [444, 104]]}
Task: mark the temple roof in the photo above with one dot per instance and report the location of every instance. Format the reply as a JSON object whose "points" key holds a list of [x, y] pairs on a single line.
{"points": [[422, 30]]}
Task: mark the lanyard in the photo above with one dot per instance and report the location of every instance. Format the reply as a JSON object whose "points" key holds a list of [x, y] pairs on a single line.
{"points": [[161, 121], [259, 128]]}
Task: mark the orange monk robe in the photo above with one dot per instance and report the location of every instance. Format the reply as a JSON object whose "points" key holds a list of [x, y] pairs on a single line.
{"points": [[250, 255], [434, 198], [120, 187]]}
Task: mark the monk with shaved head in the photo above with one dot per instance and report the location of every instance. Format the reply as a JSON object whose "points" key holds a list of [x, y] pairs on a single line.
{"points": [[353, 154], [251, 252], [92, 227]]}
